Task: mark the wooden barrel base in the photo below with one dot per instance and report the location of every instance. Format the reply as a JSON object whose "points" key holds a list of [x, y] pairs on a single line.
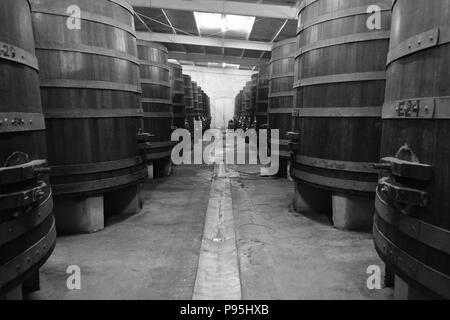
{"points": [[26, 243], [32, 283], [406, 291], [14, 294]]}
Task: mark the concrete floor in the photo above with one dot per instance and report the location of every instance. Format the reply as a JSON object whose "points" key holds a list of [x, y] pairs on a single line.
{"points": [[252, 246]]}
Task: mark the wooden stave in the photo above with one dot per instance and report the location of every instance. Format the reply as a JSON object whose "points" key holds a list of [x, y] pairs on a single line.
{"points": [[426, 138], [332, 94]]}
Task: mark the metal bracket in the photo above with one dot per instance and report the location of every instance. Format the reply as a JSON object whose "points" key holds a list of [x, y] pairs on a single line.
{"points": [[24, 198], [402, 194], [406, 169], [23, 172]]}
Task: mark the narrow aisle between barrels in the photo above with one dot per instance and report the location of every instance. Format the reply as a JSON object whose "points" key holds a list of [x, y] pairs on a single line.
{"points": [[152, 255]]}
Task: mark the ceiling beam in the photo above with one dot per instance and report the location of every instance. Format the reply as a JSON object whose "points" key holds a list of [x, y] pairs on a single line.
{"points": [[201, 58], [204, 41], [224, 7]]}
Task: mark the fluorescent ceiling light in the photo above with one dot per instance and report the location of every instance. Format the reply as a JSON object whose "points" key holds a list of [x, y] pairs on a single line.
{"points": [[223, 65], [215, 22]]}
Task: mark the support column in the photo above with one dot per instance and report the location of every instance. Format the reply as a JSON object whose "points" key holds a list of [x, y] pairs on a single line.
{"points": [[162, 168], [79, 214], [125, 201], [311, 200], [353, 212], [151, 171]]}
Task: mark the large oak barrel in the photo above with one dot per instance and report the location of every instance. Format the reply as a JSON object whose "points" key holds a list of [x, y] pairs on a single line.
{"points": [[189, 101], [91, 95], [156, 99], [247, 105], [253, 93], [199, 110], [262, 92], [281, 93], [339, 90], [207, 112], [238, 110], [27, 227], [238, 105], [412, 223], [195, 99], [178, 103]]}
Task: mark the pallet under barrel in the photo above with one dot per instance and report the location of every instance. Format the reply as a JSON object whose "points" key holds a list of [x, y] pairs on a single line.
{"points": [[90, 91]]}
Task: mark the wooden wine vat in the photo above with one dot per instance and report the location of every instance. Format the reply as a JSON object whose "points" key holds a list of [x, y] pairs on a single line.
{"points": [[91, 94], [195, 99], [157, 104], [189, 102], [281, 96], [262, 95], [27, 226], [238, 110], [207, 111], [339, 86], [412, 221], [246, 105], [199, 110], [253, 92], [178, 103]]}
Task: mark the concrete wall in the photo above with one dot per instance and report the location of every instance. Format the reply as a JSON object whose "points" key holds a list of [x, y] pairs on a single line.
{"points": [[222, 86]]}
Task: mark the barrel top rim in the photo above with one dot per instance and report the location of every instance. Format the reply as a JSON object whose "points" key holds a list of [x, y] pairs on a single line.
{"points": [[284, 42], [152, 44], [124, 4]]}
